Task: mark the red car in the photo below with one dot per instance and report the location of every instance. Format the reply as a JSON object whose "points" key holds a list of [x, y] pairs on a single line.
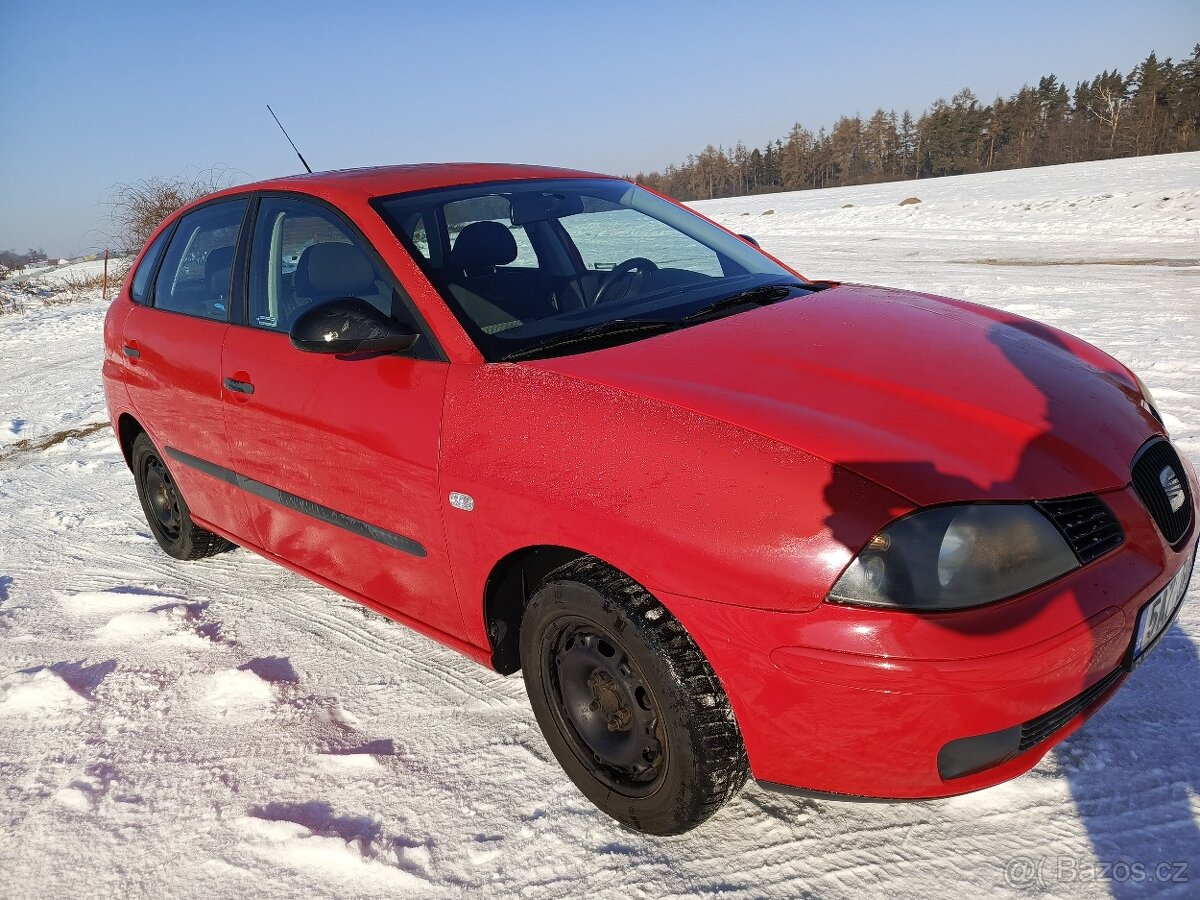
{"points": [[727, 520]]}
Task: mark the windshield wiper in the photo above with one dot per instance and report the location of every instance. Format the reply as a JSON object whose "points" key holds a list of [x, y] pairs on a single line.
{"points": [[761, 296], [758, 296], [614, 328]]}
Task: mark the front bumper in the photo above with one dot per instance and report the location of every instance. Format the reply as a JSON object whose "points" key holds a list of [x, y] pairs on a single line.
{"points": [[861, 702]]}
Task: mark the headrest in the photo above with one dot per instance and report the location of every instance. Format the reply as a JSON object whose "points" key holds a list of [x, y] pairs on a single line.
{"points": [[217, 266], [218, 258], [334, 269], [483, 245]]}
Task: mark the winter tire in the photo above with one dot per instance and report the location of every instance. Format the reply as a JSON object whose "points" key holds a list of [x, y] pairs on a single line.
{"points": [[627, 702], [166, 511]]}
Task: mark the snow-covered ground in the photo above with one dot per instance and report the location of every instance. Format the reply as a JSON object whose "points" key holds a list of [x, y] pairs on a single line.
{"points": [[63, 274], [227, 729], [57, 282]]}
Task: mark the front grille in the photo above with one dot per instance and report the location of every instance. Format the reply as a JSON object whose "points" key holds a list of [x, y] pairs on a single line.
{"points": [[1153, 465], [1044, 726], [1087, 523]]}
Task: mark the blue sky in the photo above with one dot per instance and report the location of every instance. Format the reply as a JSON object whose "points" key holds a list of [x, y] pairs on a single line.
{"points": [[94, 95]]}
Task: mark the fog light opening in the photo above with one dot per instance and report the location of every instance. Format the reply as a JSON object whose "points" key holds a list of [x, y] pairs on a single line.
{"points": [[967, 756]]}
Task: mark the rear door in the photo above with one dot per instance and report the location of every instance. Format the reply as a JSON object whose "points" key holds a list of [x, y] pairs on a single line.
{"points": [[339, 456], [172, 345]]}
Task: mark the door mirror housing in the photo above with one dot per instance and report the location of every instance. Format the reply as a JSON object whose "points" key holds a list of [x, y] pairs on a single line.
{"points": [[349, 325], [749, 240]]}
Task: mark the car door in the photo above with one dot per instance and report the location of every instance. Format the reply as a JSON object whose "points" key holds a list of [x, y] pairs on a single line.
{"points": [[173, 337], [339, 455]]}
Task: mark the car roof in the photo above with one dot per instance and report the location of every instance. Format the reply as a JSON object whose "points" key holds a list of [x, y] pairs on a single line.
{"points": [[380, 181]]}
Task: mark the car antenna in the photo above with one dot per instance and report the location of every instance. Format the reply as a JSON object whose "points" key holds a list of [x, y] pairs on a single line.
{"points": [[307, 167]]}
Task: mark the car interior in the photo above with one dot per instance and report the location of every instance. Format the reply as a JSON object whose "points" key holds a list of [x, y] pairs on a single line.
{"points": [[309, 260], [201, 283], [507, 265], [195, 274]]}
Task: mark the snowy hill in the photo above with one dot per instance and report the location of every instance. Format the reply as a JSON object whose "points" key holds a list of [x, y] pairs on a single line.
{"points": [[225, 728], [58, 282]]}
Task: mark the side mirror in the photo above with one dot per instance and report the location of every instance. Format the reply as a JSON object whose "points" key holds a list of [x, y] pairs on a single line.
{"points": [[349, 325], [749, 240]]}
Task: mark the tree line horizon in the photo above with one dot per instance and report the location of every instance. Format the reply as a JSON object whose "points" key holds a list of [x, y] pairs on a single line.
{"points": [[1154, 109]]}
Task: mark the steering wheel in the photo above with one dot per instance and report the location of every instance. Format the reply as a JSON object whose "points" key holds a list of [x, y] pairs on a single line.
{"points": [[607, 286]]}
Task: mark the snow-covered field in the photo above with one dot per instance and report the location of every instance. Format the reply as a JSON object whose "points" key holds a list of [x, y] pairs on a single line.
{"points": [[65, 274], [57, 282], [227, 729]]}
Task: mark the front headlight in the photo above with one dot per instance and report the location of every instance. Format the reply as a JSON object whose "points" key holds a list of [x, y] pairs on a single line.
{"points": [[954, 557], [1148, 399]]}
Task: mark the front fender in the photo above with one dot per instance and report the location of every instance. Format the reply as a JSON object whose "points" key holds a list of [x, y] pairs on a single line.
{"points": [[683, 503]]}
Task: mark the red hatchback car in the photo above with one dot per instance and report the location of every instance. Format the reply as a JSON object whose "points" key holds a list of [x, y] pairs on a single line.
{"points": [[727, 520]]}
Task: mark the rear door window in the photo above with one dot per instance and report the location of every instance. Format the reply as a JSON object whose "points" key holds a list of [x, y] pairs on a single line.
{"points": [[196, 272]]}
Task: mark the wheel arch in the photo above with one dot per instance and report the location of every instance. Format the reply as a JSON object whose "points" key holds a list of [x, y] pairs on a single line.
{"points": [[128, 428], [507, 591], [513, 581]]}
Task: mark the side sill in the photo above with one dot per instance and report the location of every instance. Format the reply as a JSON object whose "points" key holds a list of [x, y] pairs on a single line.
{"points": [[478, 654]]}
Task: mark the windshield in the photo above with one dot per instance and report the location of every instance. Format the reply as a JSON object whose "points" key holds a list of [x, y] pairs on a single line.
{"points": [[527, 264]]}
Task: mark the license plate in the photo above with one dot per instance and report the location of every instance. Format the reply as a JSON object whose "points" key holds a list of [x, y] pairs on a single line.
{"points": [[1156, 616]]}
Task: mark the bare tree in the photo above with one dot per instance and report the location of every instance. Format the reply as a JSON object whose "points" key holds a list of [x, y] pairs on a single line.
{"points": [[136, 208], [1110, 94]]}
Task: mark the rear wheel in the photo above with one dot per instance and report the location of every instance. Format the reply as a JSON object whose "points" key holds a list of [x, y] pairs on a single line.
{"points": [[627, 702], [166, 511]]}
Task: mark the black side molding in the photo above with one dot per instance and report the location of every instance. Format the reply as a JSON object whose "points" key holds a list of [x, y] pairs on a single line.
{"points": [[301, 505]]}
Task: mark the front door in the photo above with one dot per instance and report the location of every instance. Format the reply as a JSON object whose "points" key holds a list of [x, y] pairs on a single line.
{"points": [[338, 456]]}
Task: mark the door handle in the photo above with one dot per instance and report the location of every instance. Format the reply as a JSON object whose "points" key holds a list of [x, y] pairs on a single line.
{"points": [[242, 387], [132, 352]]}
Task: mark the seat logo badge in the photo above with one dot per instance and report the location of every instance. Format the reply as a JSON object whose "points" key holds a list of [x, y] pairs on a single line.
{"points": [[467, 502], [1171, 487]]}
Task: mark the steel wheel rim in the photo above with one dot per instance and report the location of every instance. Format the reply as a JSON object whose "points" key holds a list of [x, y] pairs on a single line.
{"points": [[163, 498], [603, 707]]}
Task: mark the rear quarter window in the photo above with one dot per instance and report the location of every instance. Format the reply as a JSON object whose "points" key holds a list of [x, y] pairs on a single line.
{"points": [[139, 290]]}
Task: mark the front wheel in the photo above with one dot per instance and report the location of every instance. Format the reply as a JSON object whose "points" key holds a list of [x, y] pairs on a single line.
{"points": [[627, 702]]}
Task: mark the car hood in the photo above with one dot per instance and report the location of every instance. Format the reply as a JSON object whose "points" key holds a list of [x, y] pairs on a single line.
{"points": [[935, 399]]}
